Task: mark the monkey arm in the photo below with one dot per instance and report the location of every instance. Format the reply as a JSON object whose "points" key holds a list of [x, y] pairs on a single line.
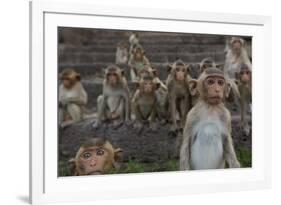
{"points": [[185, 148], [146, 61], [229, 153], [228, 149], [187, 137], [126, 96], [135, 105]]}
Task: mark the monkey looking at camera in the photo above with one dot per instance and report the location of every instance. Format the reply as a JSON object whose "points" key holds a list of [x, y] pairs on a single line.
{"points": [[144, 103], [179, 98], [244, 80], [72, 98], [136, 62], [114, 103], [96, 156], [236, 56], [207, 141]]}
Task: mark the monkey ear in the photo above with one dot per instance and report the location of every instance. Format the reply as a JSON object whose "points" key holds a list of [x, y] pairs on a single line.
{"points": [[72, 166], [122, 72], [193, 87], [169, 68], [118, 154], [155, 72], [78, 77]]}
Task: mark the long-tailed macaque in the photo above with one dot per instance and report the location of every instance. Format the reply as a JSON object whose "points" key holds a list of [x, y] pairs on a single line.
{"points": [[72, 98], [161, 91], [121, 54], [206, 63], [136, 62], [236, 56], [96, 156], [114, 103], [207, 141], [178, 93], [134, 41], [244, 79], [144, 103]]}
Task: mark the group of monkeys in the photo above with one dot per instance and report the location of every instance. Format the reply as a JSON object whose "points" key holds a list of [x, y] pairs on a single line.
{"points": [[194, 107]]}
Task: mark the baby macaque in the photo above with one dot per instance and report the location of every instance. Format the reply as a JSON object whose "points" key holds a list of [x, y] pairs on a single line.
{"points": [[244, 79], [235, 57], [207, 142], [144, 103], [206, 63], [121, 54], [178, 93], [72, 98], [114, 103], [137, 62], [96, 156]]}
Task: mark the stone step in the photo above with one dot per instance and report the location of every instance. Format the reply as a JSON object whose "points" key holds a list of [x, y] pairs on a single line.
{"points": [[90, 57], [150, 48]]}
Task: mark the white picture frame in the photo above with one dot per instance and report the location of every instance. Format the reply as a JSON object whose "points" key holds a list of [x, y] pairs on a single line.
{"points": [[46, 187]]}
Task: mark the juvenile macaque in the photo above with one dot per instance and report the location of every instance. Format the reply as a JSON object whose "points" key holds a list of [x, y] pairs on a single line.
{"points": [[161, 91], [144, 103], [121, 54], [72, 98], [114, 103], [206, 63], [178, 93], [96, 156], [235, 57], [244, 78], [207, 141], [137, 62], [134, 41]]}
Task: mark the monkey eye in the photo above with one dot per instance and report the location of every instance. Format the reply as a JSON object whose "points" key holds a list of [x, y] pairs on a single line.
{"points": [[221, 82], [87, 155], [100, 152], [210, 81]]}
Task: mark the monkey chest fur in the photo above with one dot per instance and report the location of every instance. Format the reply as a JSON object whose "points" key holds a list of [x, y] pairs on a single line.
{"points": [[145, 105], [114, 100], [207, 144]]}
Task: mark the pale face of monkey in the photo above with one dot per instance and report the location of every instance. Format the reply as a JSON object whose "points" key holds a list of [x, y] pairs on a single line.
{"points": [[138, 55], [236, 46], [245, 76], [215, 87], [93, 160], [67, 83], [148, 86], [180, 73], [112, 78]]}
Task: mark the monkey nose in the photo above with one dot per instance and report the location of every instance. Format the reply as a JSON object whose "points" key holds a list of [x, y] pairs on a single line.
{"points": [[93, 162]]}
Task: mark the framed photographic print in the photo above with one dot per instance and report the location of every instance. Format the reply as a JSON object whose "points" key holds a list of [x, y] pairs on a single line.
{"points": [[131, 102]]}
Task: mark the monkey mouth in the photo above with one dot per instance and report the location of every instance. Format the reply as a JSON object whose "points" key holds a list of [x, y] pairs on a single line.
{"points": [[95, 173]]}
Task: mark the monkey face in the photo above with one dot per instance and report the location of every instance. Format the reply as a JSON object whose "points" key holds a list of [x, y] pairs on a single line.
{"points": [[93, 160], [245, 76], [67, 83], [180, 73], [236, 46], [215, 87], [148, 86], [112, 78], [138, 54]]}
